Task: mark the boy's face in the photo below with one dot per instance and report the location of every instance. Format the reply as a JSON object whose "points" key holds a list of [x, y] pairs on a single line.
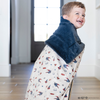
{"points": [[76, 17]]}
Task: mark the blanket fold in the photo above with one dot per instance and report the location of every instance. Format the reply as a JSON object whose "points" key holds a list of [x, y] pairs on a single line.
{"points": [[65, 41]]}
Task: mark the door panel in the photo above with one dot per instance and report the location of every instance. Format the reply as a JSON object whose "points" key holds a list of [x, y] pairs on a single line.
{"points": [[36, 50]]}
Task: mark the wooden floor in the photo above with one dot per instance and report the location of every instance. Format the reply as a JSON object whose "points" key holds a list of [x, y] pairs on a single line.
{"points": [[14, 88]]}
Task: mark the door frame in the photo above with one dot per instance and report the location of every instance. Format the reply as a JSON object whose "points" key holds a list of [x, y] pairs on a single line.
{"points": [[34, 44]]}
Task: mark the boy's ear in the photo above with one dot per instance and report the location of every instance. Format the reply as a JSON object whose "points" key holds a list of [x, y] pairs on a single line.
{"points": [[65, 17]]}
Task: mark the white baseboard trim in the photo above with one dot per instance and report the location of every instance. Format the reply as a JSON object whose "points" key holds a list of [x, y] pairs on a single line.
{"points": [[86, 71], [97, 72], [5, 70]]}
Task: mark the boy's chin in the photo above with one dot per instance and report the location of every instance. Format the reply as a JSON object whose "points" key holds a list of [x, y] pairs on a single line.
{"points": [[77, 27]]}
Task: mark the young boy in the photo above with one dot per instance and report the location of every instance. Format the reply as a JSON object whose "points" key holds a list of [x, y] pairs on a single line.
{"points": [[57, 64]]}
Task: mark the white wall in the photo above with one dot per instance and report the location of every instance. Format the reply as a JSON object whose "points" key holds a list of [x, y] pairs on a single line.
{"points": [[21, 32], [88, 35], [97, 70], [4, 37]]}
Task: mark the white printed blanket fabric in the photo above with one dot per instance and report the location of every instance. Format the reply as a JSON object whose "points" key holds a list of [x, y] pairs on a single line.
{"points": [[51, 76]]}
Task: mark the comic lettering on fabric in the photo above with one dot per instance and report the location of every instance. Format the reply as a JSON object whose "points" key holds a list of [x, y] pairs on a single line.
{"points": [[65, 41]]}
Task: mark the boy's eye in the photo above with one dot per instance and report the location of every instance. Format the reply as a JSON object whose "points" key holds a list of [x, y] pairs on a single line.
{"points": [[77, 13], [83, 15]]}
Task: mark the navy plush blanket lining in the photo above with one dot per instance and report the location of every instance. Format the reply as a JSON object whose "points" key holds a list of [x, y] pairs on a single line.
{"points": [[65, 41]]}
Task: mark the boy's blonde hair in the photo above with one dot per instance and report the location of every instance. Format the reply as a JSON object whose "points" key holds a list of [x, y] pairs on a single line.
{"points": [[66, 9]]}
